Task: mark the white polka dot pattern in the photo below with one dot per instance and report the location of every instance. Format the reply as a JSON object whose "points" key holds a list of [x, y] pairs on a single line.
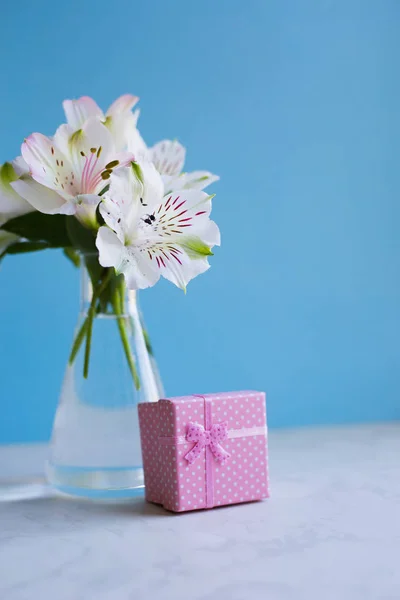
{"points": [[179, 486]]}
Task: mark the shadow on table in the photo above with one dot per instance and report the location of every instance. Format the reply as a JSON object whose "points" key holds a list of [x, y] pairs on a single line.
{"points": [[39, 496], [53, 509]]}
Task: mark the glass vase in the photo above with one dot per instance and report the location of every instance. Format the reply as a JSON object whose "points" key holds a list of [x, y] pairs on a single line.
{"points": [[95, 446]]}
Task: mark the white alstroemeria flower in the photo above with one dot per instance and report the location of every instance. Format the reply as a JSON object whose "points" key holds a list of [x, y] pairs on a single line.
{"points": [[168, 157], [119, 117], [149, 236], [69, 171], [12, 204]]}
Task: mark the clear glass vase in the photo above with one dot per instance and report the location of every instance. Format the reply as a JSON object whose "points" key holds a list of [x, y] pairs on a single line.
{"points": [[95, 447]]}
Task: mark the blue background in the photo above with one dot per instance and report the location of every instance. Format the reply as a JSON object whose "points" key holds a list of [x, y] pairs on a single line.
{"points": [[295, 104]]}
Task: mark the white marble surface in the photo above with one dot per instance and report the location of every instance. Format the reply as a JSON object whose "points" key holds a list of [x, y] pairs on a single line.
{"points": [[331, 531]]}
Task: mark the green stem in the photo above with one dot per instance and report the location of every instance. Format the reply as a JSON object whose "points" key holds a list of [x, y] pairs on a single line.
{"points": [[117, 305], [78, 341], [121, 290], [89, 320], [88, 346]]}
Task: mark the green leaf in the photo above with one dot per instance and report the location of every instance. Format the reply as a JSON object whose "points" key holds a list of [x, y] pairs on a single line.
{"points": [[95, 270], [38, 227], [80, 237], [23, 247]]}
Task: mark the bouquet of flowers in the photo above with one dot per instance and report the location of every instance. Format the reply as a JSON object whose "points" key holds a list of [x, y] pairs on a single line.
{"points": [[98, 192]]}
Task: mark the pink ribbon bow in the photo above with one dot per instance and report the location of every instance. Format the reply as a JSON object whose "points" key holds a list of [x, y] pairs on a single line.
{"points": [[212, 438]]}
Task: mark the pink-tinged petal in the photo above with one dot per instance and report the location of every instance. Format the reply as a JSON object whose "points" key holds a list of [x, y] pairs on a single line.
{"points": [[168, 157], [49, 166], [78, 111], [92, 150], [124, 103], [40, 197], [37, 152]]}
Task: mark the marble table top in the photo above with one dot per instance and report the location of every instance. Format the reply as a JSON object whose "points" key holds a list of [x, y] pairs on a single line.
{"points": [[331, 531]]}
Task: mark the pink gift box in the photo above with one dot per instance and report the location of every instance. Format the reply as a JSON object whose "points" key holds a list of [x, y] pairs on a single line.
{"points": [[205, 451]]}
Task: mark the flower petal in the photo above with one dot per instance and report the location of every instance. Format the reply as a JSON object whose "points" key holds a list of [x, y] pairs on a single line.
{"points": [[122, 125], [85, 209], [139, 274], [175, 264], [178, 236], [69, 208], [49, 166], [133, 192], [110, 248], [148, 182], [20, 167], [138, 271], [40, 197], [62, 137], [120, 207], [137, 145], [11, 203], [88, 199], [168, 157], [197, 180], [78, 111], [182, 214], [124, 103], [91, 150], [136, 115]]}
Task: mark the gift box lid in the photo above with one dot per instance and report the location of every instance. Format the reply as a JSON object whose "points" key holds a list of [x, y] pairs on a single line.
{"points": [[244, 409]]}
